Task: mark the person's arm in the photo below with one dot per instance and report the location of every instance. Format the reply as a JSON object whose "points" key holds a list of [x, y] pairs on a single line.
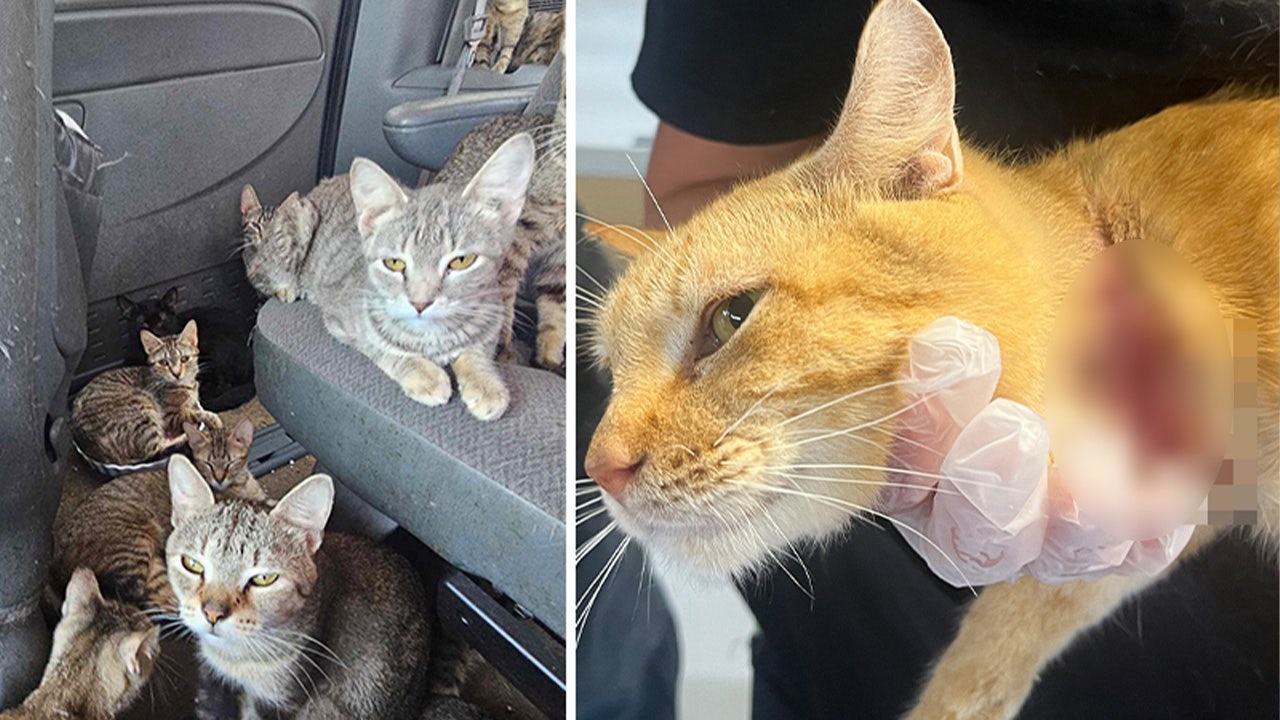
{"points": [[686, 172]]}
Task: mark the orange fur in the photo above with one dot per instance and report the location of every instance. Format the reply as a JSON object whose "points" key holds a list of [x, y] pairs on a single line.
{"points": [[856, 248]]}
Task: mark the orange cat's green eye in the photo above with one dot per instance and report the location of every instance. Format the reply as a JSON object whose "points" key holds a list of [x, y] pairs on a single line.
{"points": [[394, 264], [264, 579], [729, 314], [462, 262], [192, 565]]}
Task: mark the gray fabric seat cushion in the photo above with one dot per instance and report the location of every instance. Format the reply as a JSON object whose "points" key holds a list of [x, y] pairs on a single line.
{"points": [[488, 497]]}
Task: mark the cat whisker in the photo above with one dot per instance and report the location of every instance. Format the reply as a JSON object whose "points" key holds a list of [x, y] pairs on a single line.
{"points": [[744, 416], [593, 514], [856, 508], [640, 237], [842, 398], [900, 471], [861, 426], [851, 481], [652, 198], [601, 579], [595, 540]]}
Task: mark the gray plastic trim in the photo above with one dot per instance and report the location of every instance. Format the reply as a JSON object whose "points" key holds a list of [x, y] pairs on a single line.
{"points": [[100, 49]]}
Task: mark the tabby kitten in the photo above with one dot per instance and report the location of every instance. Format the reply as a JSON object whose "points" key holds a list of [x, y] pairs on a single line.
{"points": [[409, 277], [503, 26], [756, 350], [300, 623], [540, 234], [226, 359], [103, 653], [120, 528], [131, 414], [541, 39]]}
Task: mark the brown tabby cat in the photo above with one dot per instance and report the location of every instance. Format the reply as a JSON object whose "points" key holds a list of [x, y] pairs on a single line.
{"points": [[131, 414], [103, 653], [503, 26], [120, 528], [299, 622], [736, 340], [537, 256], [541, 40]]}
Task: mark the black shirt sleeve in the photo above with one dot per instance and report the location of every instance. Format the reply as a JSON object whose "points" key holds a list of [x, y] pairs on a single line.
{"points": [[748, 73]]}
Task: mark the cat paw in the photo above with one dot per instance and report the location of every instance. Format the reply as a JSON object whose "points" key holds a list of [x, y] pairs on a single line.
{"points": [[427, 383], [501, 65], [486, 397], [550, 351]]}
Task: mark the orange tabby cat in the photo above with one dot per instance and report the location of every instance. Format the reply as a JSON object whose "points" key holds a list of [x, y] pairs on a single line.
{"points": [[735, 341]]}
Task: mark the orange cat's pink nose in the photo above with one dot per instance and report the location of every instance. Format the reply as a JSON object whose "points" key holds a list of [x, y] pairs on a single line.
{"points": [[613, 469]]}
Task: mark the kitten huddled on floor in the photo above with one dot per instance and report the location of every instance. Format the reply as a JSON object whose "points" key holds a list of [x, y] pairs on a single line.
{"points": [[119, 530], [409, 277], [132, 414], [294, 621], [103, 653], [757, 350], [226, 358]]}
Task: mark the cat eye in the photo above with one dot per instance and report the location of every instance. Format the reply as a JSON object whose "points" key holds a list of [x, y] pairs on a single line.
{"points": [[192, 565], [394, 264], [264, 579], [462, 262], [725, 318]]}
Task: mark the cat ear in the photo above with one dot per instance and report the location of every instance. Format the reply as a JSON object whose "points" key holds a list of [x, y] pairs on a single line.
{"points": [[126, 306], [375, 194], [169, 301], [897, 131], [138, 651], [188, 491], [196, 439], [627, 241], [249, 204], [188, 335], [82, 591], [307, 507], [150, 343], [242, 435], [502, 182]]}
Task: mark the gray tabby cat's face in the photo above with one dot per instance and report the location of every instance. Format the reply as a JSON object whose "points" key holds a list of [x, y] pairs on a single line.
{"points": [[238, 571], [433, 254], [173, 358], [275, 241], [103, 651]]}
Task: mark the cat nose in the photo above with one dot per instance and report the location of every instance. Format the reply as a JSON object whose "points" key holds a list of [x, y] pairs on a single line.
{"points": [[613, 469], [421, 307], [214, 611]]}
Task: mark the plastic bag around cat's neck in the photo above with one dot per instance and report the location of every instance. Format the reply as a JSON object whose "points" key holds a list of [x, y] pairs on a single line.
{"points": [[977, 490]]}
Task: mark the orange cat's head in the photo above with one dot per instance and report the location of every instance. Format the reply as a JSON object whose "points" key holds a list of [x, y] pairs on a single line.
{"points": [[756, 350]]}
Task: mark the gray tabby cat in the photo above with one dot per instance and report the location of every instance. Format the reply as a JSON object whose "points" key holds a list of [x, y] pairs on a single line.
{"points": [[504, 24], [103, 653], [298, 622], [537, 257], [541, 40], [131, 414], [409, 277], [119, 530]]}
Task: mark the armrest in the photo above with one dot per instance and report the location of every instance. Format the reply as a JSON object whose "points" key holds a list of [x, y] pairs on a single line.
{"points": [[425, 132]]}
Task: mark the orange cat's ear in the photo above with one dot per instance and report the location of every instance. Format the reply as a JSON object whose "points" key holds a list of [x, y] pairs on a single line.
{"points": [[897, 132], [629, 242]]}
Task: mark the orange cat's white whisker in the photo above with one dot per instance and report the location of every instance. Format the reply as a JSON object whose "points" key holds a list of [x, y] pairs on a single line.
{"points": [[867, 424], [900, 471], [795, 554], [745, 415], [593, 514], [855, 507], [587, 274], [640, 237], [851, 481], [909, 441], [598, 584], [595, 540], [584, 505], [837, 401], [649, 190]]}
